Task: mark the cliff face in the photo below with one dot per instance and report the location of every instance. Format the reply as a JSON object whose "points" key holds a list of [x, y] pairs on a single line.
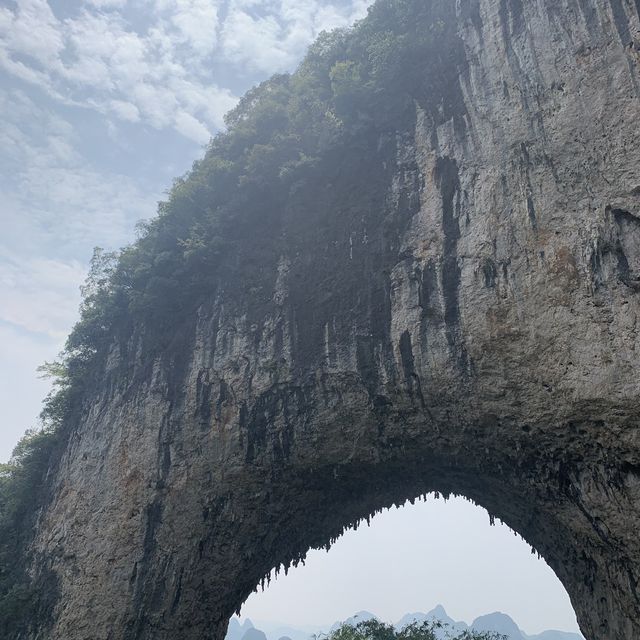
{"points": [[453, 307]]}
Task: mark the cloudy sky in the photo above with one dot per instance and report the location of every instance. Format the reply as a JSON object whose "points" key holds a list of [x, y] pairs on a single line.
{"points": [[103, 103]]}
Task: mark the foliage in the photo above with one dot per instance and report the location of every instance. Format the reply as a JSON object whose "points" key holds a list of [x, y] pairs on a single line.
{"points": [[219, 224], [23, 479], [20, 493], [428, 630]]}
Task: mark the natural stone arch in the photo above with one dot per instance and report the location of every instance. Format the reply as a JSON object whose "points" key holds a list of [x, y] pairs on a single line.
{"points": [[441, 554], [452, 307]]}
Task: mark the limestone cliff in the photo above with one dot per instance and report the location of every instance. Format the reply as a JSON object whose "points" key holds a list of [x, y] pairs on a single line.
{"points": [[451, 305]]}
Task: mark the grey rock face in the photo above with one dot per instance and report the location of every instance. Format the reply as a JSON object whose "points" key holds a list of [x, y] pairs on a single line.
{"points": [[465, 321]]}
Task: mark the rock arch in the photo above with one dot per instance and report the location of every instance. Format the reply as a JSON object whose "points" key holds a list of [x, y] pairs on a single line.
{"points": [[453, 308]]}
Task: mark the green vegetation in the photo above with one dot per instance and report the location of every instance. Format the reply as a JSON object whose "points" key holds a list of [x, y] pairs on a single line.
{"points": [[430, 630], [20, 493], [219, 225]]}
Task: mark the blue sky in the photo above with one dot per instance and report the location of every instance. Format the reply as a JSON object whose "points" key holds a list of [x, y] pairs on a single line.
{"points": [[103, 103]]}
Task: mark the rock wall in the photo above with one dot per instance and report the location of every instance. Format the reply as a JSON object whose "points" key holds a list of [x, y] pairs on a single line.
{"points": [[454, 309]]}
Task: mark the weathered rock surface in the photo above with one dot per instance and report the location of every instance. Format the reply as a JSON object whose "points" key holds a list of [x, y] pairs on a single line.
{"points": [[465, 320]]}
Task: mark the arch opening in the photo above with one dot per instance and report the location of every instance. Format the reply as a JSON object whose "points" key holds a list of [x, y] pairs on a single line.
{"points": [[429, 558], [303, 509]]}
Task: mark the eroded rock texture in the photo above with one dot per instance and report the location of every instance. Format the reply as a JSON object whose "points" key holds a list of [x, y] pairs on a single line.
{"points": [[454, 309]]}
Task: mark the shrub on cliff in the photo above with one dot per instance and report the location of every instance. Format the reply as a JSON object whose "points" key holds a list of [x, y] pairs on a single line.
{"points": [[21, 485]]}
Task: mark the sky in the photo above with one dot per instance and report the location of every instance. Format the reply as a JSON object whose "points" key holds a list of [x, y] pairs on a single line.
{"points": [[104, 103], [411, 559]]}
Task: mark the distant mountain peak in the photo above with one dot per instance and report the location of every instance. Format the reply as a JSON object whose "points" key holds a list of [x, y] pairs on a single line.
{"points": [[365, 615], [438, 612], [254, 634], [500, 623]]}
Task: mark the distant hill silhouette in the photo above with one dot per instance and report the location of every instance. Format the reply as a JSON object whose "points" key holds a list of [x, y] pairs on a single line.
{"points": [[254, 634], [237, 630], [437, 614], [356, 618], [498, 622]]}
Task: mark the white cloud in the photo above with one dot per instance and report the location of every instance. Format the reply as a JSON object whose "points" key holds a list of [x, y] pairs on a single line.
{"points": [[39, 295], [32, 30], [274, 41], [102, 41], [93, 207], [61, 149], [107, 4], [21, 391], [210, 102], [257, 42], [160, 73], [50, 193], [334, 16], [98, 60], [157, 103], [197, 24], [21, 70], [125, 110], [192, 128]]}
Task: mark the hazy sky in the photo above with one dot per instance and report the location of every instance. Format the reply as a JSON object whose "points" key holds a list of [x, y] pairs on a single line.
{"points": [[413, 558], [103, 102]]}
